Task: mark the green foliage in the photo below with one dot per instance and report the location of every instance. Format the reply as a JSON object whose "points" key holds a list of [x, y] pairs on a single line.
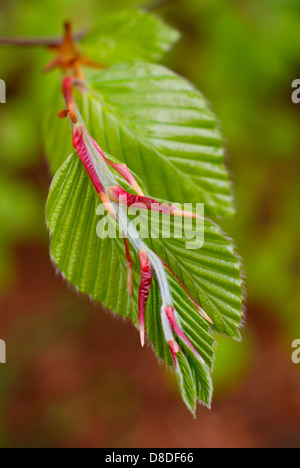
{"points": [[186, 382], [97, 267], [245, 59], [161, 127], [127, 36], [242, 56]]}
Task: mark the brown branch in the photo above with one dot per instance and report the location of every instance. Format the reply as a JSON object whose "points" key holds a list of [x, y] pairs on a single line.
{"points": [[42, 41], [156, 4]]}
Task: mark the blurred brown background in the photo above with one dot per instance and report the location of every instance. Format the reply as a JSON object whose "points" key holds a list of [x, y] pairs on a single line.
{"points": [[77, 377]]}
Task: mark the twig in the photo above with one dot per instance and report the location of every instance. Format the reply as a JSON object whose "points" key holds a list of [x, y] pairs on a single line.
{"points": [[157, 4], [42, 41]]}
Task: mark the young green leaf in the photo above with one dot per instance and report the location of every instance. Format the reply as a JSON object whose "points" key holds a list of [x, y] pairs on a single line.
{"points": [[158, 125], [186, 382], [129, 35], [161, 127], [97, 266]]}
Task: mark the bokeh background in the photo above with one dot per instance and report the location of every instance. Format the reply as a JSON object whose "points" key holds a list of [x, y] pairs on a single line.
{"points": [[75, 376]]}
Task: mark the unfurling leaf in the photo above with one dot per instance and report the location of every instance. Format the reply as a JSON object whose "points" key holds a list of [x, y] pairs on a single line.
{"points": [[98, 267], [129, 35], [161, 127], [146, 142]]}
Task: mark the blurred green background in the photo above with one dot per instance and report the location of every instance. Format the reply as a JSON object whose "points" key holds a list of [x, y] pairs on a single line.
{"points": [[75, 377]]}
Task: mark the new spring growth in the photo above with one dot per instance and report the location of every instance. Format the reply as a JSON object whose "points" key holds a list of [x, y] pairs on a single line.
{"points": [[117, 193], [115, 198], [201, 311], [118, 190], [67, 89], [178, 331], [97, 165], [144, 292], [69, 56]]}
